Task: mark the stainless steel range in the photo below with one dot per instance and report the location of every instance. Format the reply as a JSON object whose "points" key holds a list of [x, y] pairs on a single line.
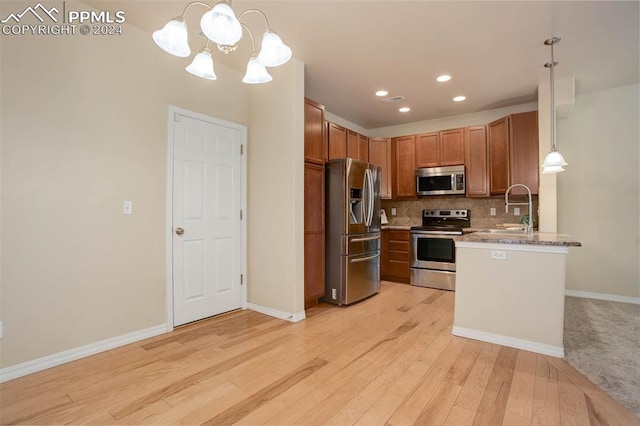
{"points": [[432, 250]]}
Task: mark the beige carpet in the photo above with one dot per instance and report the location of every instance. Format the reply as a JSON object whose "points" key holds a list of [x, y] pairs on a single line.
{"points": [[602, 341]]}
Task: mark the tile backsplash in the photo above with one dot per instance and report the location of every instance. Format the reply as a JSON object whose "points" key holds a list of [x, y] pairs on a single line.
{"points": [[409, 212]]}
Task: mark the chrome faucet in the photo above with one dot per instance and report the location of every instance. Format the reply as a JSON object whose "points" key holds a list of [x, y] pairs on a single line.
{"points": [[529, 229]]}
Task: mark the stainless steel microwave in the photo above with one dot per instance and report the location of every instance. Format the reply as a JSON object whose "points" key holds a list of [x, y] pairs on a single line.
{"points": [[440, 180]]}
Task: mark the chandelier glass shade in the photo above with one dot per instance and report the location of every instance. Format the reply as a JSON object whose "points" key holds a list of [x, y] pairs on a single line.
{"points": [[256, 72], [221, 26], [173, 38], [202, 65]]}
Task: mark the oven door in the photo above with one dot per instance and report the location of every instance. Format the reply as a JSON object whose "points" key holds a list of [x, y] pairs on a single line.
{"points": [[433, 250]]}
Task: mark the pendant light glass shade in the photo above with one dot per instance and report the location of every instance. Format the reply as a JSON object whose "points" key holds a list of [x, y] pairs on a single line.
{"points": [[202, 65], [274, 52], [173, 38], [256, 72], [553, 163], [220, 25]]}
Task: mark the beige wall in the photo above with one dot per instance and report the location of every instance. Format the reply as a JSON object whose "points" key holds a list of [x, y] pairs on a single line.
{"points": [[598, 194], [276, 192], [84, 122]]}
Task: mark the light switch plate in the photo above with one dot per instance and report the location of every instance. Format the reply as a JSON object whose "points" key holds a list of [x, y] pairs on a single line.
{"points": [[499, 254], [1, 329], [393, 211], [492, 211], [516, 211], [127, 207]]}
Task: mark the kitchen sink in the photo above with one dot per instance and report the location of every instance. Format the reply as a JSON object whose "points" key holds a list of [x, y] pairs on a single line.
{"points": [[503, 231]]}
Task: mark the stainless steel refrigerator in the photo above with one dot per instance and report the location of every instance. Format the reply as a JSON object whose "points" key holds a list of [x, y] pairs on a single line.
{"points": [[352, 231]]}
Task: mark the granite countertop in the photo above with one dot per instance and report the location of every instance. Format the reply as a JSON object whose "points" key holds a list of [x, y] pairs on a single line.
{"points": [[538, 239]]}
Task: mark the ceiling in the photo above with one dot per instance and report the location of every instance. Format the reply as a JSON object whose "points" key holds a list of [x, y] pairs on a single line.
{"points": [[493, 50]]}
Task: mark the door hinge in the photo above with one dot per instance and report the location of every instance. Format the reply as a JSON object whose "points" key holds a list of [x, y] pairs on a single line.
{"points": [[241, 149], [176, 117], [240, 214], [241, 279]]}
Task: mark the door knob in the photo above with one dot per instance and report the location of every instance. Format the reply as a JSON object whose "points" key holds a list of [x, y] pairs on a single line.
{"points": [[179, 231]]}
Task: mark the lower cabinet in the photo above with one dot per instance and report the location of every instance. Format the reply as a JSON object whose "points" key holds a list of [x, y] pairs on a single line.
{"points": [[395, 255]]}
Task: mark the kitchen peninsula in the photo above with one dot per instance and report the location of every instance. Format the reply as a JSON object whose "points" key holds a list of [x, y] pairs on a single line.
{"points": [[510, 289]]}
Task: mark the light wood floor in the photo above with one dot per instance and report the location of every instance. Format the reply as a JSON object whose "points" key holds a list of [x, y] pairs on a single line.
{"points": [[388, 360]]}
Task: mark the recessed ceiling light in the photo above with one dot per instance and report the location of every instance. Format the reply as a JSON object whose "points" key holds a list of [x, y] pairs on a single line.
{"points": [[382, 93], [443, 78], [459, 98], [404, 109]]}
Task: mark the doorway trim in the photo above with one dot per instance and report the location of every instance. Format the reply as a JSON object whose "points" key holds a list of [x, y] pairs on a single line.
{"points": [[174, 112]]}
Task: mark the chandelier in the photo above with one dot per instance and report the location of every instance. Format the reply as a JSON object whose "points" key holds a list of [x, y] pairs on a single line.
{"points": [[553, 162], [220, 26]]}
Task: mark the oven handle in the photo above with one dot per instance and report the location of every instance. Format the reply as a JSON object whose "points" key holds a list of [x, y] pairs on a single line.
{"points": [[358, 240], [364, 259]]}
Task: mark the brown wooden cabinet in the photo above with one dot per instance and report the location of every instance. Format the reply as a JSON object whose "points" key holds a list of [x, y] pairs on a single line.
{"points": [[498, 136], [315, 148], [380, 155], [404, 167], [314, 241], [427, 150], [451, 147], [513, 153], [337, 141], [476, 160], [357, 146], [445, 148], [314, 228], [523, 151], [395, 255]]}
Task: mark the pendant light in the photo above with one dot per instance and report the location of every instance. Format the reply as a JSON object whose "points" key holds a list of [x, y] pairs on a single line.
{"points": [[553, 162], [173, 38]]}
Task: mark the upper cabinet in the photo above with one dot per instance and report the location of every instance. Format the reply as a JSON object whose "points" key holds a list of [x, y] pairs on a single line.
{"points": [[524, 154], [476, 160], [357, 146], [404, 167], [499, 155], [337, 141], [452, 147], [315, 150], [427, 150], [513, 153], [380, 155], [445, 148]]}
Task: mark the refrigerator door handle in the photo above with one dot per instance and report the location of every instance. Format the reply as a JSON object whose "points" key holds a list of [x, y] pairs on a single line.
{"points": [[365, 197], [371, 197], [358, 240], [364, 259]]}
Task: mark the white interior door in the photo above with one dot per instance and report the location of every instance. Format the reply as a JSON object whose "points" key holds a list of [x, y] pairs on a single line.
{"points": [[206, 219]]}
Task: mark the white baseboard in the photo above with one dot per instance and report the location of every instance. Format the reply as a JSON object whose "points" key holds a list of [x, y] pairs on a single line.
{"points": [[512, 342], [603, 296], [276, 313], [29, 367]]}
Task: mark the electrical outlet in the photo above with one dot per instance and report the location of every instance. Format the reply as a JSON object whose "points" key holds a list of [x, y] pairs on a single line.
{"points": [[499, 254], [127, 207], [516, 211], [492, 211], [393, 211]]}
